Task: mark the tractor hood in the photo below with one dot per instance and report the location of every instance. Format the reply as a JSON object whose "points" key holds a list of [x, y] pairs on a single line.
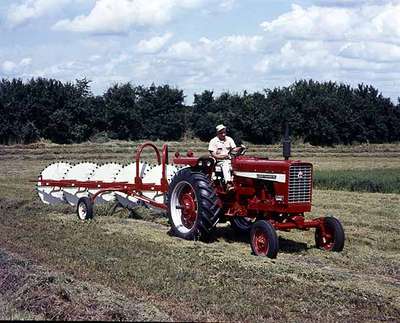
{"points": [[263, 168], [258, 164]]}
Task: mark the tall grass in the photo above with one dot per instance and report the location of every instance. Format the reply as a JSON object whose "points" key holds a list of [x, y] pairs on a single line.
{"points": [[374, 180]]}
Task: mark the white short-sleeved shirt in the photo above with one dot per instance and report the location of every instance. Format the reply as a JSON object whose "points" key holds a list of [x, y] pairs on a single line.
{"points": [[220, 147]]}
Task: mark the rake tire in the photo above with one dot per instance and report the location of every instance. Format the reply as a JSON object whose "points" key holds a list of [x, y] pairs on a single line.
{"points": [[195, 191], [84, 209]]}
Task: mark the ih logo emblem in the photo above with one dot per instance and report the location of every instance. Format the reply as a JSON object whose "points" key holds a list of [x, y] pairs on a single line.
{"points": [[300, 175]]}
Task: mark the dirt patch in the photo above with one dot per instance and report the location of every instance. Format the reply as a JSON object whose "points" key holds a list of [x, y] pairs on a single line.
{"points": [[55, 296]]}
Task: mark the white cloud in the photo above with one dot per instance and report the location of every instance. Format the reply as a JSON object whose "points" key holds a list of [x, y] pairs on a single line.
{"points": [[110, 16], [352, 3], [386, 23], [339, 41], [209, 50], [232, 45], [21, 13], [26, 61], [298, 57], [9, 67], [110, 67], [227, 4], [94, 58], [241, 43], [369, 22], [351, 41], [371, 51], [313, 23], [154, 44], [183, 51]]}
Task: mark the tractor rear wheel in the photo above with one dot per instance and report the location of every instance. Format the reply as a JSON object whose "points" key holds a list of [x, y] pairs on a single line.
{"points": [[193, 209], [84, 208], [331, 238], [264, 240]]}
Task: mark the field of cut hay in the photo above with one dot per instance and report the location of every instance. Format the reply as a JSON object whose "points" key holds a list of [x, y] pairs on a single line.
{"points": [[53, 266]]}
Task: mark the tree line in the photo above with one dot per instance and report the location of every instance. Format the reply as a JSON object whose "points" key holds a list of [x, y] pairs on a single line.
{"points": [[320, 113]]}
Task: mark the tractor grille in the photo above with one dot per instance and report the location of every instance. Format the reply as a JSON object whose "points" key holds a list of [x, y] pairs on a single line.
{"points": [[300, 181]]}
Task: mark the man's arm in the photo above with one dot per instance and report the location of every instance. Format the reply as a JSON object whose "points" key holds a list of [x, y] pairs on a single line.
{"points": [[232, 143], [218, 157]]}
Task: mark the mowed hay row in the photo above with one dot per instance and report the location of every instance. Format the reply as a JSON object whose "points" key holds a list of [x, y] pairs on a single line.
{"points": [[218, 281], [326, 158], [197, 145], [32, 292], [222, 280]]}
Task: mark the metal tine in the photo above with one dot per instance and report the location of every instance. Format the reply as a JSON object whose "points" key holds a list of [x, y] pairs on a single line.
{"points": [[154, 176], [49, 194], [79, 172], [105, 173], [128, 174]]}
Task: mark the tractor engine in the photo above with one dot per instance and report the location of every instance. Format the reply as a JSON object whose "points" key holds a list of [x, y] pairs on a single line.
{"points": [[270, 186]]}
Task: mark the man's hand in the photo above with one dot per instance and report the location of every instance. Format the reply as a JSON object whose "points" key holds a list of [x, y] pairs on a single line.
{"points": [[220, 157]]}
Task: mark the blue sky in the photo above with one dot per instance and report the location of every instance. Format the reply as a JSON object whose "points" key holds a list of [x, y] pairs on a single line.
{"points": [[195, 45]]}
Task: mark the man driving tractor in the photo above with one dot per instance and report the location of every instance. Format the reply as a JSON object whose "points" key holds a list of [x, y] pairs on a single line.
{"points": [[219, 148]]}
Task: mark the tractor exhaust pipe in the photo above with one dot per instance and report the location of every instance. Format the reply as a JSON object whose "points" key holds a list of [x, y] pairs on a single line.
{"points": [[287, 143]]}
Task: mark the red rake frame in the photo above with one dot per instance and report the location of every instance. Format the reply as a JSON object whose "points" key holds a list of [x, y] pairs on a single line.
{"points": [[134, 190]]}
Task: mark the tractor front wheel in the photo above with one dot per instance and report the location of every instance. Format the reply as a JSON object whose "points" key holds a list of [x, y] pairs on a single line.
{"points": [[331, 236], [192, 205], [241, 225], [264, 240]]}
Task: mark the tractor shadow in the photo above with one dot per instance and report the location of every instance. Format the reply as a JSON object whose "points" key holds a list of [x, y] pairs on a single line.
{"points": [[290, 246], [229, 235]]}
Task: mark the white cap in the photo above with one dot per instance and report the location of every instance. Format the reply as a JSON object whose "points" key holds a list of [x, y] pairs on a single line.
{"points": [[220, 127]]}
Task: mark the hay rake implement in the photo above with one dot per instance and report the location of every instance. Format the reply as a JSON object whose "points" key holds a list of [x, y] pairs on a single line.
{"points": [[86, 183]]}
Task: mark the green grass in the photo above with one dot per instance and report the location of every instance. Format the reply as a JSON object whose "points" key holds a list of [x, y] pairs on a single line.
{"points": [[373, 180], [33, 292], [10, 313], [120, 262], [219, 281]]}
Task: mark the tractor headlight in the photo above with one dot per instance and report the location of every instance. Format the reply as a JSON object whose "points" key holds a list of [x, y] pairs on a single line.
{"points": [[200, 163], [208, 163], [279, 198]]}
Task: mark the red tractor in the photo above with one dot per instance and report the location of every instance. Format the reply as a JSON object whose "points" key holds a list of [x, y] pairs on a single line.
{"points": [[268, 195]]}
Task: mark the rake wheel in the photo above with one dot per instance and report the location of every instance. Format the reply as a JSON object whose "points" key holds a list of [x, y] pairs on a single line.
{"points": [[84, 209]]}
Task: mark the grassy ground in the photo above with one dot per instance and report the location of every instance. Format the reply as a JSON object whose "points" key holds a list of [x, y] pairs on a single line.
{"points": [[120, 268], [356, 180]]}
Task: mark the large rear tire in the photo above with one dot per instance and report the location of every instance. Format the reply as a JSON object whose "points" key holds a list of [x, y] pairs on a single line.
{"points": [[333, 237], [193, 209], [264, 240]]}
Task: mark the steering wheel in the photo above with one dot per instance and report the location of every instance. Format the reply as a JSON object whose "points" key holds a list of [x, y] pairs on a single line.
{"points": [[237, 151]]}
